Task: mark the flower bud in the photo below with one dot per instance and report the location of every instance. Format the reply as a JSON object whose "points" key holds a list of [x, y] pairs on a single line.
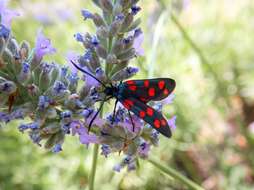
{"points": [[125, 3], [13, 46], [115, 27], [33, 90], [7, 87], [24, 50], [101, 51], [98, 20], [128, 42], [51, 113], [125, 74], [25, 73], [106, 5], [66, 117], [119, 66], [127, 55], [118, 47], [59, 91], [52, 128], [44, 81], [57, 148], [118, 9], [111, 59], [102, 32], [8, 56], [127, 22], [2, 45], [86, 14]]}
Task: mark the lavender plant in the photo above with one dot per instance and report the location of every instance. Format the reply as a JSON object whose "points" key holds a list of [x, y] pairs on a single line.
{"points": [[59, 102]]}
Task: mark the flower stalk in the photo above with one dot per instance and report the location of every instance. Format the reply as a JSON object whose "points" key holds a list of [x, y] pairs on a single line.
{"points": [[176, 175], [94, 166]]}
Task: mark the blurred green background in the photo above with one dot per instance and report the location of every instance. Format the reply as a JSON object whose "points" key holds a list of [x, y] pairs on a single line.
{"points": [[207, 47]]}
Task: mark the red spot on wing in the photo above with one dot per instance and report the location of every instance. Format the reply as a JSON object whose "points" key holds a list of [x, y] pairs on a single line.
{"points": [[149, 111], [146, 83], [161, 84], [151, 92], [133, 88], [130, 82], [166, 92], [163, 122], [142, 114], [157, 123], [128, 104], [143, 99]]}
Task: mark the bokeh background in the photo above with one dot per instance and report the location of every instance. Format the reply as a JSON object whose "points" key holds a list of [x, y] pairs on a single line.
{"points": [[207, 47]]}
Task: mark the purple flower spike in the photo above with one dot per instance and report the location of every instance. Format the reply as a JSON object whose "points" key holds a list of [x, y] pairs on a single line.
{"points": [[6, 14], [117, 168], [138, 41], [86, 14], [105, 150], [4, 32], [172, 122], [144, 149], [77, 128], [90, 81], [84, 137], [57, 148], [72, 57], [79, 37], [138, 124], [135, 9], [98, 121], [43, 45]]}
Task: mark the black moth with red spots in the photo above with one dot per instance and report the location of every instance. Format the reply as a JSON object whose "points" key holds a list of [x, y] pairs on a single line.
{"points": [[135, 94]]}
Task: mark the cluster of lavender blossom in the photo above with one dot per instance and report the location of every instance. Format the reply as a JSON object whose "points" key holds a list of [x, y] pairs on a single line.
{"points": [[49, 96]]}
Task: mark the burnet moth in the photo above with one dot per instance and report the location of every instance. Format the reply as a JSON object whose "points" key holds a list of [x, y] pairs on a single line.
{"points": [[134, 96]]}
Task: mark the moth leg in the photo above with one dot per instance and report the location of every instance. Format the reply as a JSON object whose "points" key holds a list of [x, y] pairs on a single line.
{"points": [[94, 117], [114, 112], [133, 126]]}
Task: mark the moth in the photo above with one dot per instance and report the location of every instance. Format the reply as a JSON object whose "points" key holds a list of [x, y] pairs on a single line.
{"points": [[134, 96]]}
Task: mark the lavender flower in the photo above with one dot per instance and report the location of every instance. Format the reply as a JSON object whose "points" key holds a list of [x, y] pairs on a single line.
{"points": [[86, 14], [4, 32], [72, 57], [172, 122], [144, 149], [43, 46], [6, 14], [58, 106], [57, 148], [138, 41], [105, 150], [84, 137]]}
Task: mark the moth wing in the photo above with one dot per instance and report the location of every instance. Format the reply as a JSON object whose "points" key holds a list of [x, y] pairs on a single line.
{"points": [[148, 114], [148, 89]]}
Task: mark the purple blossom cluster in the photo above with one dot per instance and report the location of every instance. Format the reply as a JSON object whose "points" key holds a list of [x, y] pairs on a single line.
{"points": [[49, 95]]}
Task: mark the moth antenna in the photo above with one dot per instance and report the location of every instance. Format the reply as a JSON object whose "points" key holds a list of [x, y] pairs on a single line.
{"points": [[84, 71]]}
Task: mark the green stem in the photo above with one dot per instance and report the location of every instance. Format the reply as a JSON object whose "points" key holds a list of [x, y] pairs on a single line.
{"points": [[94, 161], [109, 66], [176, 175], [94, 164]]}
